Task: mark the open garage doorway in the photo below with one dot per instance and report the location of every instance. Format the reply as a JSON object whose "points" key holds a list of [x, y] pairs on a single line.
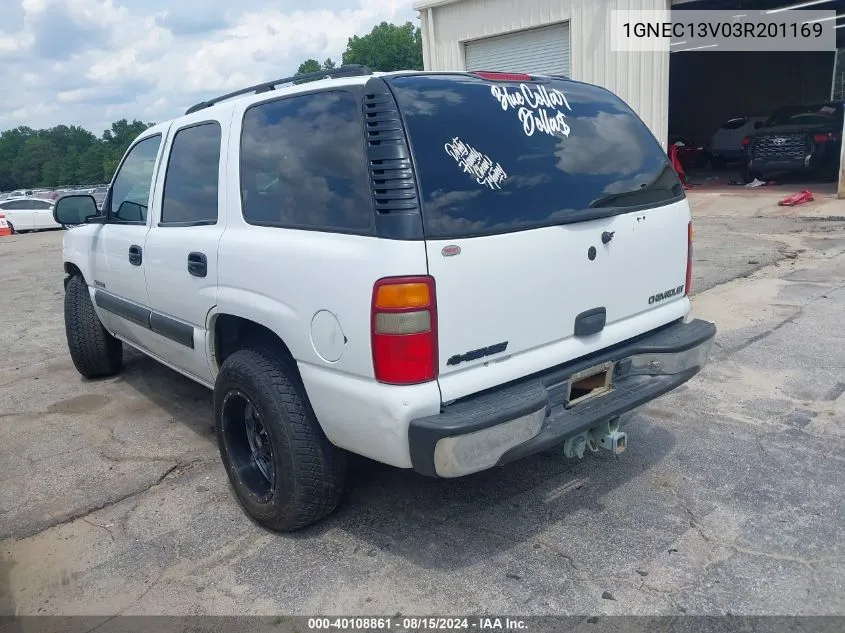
{"points": [[721, 103]]}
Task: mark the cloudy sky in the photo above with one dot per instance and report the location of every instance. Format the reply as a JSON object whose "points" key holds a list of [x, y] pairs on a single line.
{"points": [[91, 62]]}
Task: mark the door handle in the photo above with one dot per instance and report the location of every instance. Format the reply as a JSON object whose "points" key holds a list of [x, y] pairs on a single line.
{"points": [[197, 264], [135, 255]]}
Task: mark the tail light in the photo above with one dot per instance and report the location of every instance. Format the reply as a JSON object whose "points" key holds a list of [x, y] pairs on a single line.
{"points": [[404, 330], [824, 138], [688, 283], [746, 141], [484, 74]]}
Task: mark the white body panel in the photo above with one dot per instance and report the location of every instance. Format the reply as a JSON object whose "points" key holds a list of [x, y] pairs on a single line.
{"points": [[527, 288], [173, 291], [111, 261], [367, 417], [282, 278], [167, 363]]}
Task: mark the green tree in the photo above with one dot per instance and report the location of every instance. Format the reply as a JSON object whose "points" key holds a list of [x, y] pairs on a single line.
{"points": [[308, 66], [63, 155], [36, 151], [122, 133], [12, 144], [313, 66], [387, 47]]}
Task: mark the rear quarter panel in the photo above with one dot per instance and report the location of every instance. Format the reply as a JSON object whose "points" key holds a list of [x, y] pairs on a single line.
{"points": [[282, 278]]}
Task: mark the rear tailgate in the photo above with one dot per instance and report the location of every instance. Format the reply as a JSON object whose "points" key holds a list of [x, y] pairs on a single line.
{"points": [[548, 206]]}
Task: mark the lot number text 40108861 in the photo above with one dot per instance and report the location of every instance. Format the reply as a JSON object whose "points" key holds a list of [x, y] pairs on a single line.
{"points": [[408, 623]]}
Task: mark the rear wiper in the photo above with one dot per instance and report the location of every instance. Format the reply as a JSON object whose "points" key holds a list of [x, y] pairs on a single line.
{"points": [[604, 200]]}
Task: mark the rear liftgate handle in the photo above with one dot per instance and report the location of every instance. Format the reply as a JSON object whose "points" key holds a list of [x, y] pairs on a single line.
{"points": [[197, 264], [590, 322]]}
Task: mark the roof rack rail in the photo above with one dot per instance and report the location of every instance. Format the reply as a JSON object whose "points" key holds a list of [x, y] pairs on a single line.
{"points": [[349, 70]]}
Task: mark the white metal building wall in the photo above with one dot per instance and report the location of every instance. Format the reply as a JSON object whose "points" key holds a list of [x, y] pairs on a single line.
{"points": [[641, 79], [544, 51]]}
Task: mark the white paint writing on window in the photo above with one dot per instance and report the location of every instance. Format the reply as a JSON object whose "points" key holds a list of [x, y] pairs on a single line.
{"points": [[538, 109], [473, 162]]}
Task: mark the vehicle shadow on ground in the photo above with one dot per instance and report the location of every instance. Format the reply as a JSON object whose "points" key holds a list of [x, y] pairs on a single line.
{"points": [[448, 524], [185, 400], [442, 523]]}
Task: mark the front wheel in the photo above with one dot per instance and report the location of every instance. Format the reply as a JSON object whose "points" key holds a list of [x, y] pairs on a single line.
{"points": [[95, 353], [284, 471]]}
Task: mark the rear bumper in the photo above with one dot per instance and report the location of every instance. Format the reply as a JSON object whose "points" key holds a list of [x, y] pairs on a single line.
{"points": [[780, 166], [531, 415], [812, 162]]}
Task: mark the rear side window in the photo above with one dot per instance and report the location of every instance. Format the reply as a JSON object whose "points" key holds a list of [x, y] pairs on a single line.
{"points": [[190, 186], [494, 157], [303, 164]]}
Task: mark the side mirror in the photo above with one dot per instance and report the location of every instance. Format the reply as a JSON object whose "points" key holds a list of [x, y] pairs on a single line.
{"points": [[74, 209]]}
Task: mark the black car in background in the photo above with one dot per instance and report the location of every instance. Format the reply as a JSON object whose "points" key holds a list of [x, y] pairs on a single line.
{"points": [[800, 139]]}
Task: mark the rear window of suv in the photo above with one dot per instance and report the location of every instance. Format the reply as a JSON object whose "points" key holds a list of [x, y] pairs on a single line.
{"points": [[494, 157]]}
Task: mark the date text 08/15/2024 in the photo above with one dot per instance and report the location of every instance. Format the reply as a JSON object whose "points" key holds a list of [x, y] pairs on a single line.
{"points": [[406, 623]]}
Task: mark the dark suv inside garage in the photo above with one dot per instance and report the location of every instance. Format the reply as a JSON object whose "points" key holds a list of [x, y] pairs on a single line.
{"points": [[800, 139]]}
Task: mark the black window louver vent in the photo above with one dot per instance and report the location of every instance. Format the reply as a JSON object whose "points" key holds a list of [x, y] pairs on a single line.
{"points": [[388, 157]]}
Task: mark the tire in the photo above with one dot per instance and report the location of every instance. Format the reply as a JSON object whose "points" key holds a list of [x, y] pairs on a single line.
{"points": [[11, 227], [95, 352], [824, 175], [300, 479]]}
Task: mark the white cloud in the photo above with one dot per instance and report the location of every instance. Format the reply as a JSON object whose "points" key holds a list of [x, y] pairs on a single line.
{"points": [[88, 62], [602, 144]]}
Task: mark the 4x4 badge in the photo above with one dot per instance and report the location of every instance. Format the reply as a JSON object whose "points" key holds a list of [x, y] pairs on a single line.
{"points": [[451, 250]]}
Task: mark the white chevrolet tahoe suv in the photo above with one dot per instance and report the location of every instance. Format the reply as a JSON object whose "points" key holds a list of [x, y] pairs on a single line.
{"points": [[438, 271]]}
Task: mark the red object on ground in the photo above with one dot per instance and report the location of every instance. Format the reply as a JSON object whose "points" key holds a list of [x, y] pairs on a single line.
{"points": [[796, 199], [676, 163], [4, 226]]}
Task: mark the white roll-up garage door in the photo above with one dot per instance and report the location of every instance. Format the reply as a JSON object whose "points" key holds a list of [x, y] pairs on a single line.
{"points": [[542, 51]]}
